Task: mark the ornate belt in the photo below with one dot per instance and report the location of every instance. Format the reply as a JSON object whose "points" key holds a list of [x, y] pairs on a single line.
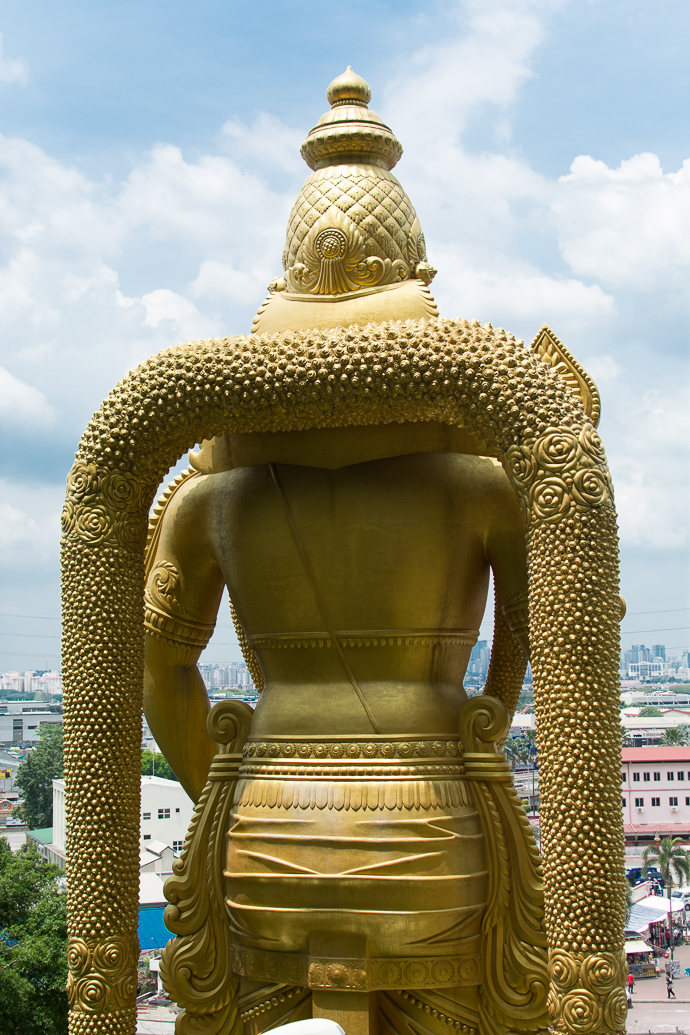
{"points": [[367, 638]]}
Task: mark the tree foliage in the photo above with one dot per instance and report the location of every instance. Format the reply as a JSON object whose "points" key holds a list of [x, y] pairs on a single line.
{"points": [[649, 711], [36, 774], [33, 946], [155, 764], [677, 736], [670, 857]]}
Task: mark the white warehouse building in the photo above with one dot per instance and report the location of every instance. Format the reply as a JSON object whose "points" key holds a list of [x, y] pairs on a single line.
{"points": [[166, 812]]}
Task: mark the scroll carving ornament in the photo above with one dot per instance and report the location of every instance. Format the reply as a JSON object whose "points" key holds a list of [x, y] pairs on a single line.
{"points": [[334, 258]]}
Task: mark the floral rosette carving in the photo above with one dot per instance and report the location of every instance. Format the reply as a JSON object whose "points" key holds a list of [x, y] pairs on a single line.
{"points": [[130, 531], [559, 474], [113, 956], [83, 483], [93, 524], [92, 994], [102, 974], [600, 972], [121, 491], [101, 505], [563, 970], [520, 466], [68, 518], [616, 1009], [556, 451], [78, 957], [549, 500], [580, 1012]]}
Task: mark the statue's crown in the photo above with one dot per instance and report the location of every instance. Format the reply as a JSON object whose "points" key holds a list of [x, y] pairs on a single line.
{"points": [[353, 238], [350, 131]]}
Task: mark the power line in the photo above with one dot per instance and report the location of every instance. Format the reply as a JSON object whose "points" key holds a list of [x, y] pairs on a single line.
{"points": [[43, 618], [33, 636], [666, 612], [636, 632], [19, 654]]}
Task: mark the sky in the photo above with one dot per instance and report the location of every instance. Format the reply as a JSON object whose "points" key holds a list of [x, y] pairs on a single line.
{"points": [[149, 157]]}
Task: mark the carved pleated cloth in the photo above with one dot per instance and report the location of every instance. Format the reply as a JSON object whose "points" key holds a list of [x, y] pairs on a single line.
{"points": [[388, 851]]}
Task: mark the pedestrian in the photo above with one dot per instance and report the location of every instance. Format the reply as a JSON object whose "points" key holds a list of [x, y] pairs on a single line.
{"points": [[631, 984], [669, 987]]}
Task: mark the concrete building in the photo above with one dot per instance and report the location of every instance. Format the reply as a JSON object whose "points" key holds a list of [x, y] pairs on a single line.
{"points": [[20, 720], [479, 660], [655, 792], [647, 730], [166, 812]]}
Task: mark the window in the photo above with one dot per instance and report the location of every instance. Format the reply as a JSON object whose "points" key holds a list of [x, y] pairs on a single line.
{"points": [[687, 801], [669, 776], [681, 776], [146, 815], [623, 802], [673, 801], [645, 777], [636, 777], [31, 727], [177, 846], [164, 813], [657, 776], [656, 802], [147, 837], [177, 810], [639, 803]]}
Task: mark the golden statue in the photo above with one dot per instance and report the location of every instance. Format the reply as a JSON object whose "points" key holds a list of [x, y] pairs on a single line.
{"points": [[357, 849]]}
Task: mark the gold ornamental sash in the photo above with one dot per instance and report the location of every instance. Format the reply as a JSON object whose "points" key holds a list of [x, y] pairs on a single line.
{"points": [[460, 373]]}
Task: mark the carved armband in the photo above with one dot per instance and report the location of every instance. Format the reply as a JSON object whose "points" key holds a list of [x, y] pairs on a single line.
{"points": [[516, 611], [164, 616]]}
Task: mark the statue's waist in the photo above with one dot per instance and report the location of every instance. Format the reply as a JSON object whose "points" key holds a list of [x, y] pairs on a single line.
{"points": [[379, 756]]}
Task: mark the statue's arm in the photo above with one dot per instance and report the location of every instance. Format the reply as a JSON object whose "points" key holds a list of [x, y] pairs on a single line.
{"points": [[183, 592], [506, 549]]}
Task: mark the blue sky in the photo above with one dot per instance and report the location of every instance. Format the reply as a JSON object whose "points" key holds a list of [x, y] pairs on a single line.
{"points": [[149, 155]]}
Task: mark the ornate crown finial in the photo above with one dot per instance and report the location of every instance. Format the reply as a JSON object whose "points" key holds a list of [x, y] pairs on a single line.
{"points": [[349, 87], [350, 132], [353, 235]]}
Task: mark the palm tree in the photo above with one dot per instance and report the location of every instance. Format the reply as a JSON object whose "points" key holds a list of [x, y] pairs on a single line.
{"points": [[674, 861], [676, 737]]}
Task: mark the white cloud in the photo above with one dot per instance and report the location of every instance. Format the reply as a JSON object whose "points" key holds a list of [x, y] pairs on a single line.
{"points": [[29, 525], [627, 227], [12, 70], [22, 406], [268, 143], [650, 464]]}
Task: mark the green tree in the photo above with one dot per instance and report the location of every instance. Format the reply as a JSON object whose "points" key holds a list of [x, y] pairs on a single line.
{"points": [[33, 949], [155, 764], [36, 774], [670, 857], [649, 712], [676, 737]]}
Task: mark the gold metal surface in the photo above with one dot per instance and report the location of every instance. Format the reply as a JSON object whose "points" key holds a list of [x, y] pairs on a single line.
{"points": [[413, 458]]}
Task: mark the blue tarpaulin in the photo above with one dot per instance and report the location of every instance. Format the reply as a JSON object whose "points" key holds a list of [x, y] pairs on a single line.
{"points": [[153, 934]]}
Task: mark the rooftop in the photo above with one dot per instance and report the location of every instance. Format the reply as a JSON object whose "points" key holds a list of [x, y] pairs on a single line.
{"points": [[656, 754]]}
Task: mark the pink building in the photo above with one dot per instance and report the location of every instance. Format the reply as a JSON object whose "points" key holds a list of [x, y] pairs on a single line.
{"points": [[655, 792]]}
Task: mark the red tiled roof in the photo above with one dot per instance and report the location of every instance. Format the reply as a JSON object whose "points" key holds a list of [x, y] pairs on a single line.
{"points": [[656, 754]]}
